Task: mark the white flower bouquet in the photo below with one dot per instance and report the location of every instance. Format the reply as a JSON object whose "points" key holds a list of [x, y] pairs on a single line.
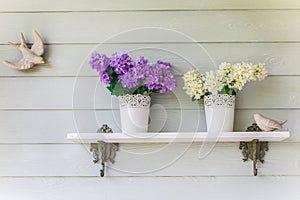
{"points": [[228, 79]]}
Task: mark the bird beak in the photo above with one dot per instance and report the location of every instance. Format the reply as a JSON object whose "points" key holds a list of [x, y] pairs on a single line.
{"points": [[42, 62]]}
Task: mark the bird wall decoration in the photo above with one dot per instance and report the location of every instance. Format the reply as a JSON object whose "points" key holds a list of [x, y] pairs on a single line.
{"points": [[32, 56], [267, 124]]}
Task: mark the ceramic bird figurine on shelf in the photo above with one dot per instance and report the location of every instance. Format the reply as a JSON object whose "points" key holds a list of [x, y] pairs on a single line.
{"points": [[267, 124], [31, 56]]}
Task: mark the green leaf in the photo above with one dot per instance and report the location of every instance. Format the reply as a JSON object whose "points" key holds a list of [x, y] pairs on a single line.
{"points": [[201, 101], [142, 90], [234, 92], [193, 98], [227, 90], [119, 90], [110, 71], [223, 91], [112, 85]]}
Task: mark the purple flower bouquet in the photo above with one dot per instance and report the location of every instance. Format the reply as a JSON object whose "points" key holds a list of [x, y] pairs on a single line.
{"points": [[133, 81], [123, 75]]}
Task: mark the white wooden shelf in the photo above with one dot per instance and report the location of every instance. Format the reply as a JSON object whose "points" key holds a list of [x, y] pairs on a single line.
{"points": [[182, 137]]}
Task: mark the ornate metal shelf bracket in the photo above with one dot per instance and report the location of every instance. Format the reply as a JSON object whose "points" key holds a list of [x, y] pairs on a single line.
{"points": [[255, 150], [104, 152]]}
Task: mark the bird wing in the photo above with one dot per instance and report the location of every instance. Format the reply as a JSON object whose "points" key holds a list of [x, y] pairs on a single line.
{"points": [[23, 41], [38, 45], [274, 124]]}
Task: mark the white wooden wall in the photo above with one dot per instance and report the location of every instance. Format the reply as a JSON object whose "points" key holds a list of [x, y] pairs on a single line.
{"points": [[37, 107]]}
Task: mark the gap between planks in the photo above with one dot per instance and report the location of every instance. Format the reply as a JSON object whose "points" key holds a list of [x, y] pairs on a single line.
{"points": [[147, 176], [224, 144], [147, 10], [196, 42]]}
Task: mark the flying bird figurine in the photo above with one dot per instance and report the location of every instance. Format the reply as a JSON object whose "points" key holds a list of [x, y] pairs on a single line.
{"points": [[267, 124], [31, 56]]}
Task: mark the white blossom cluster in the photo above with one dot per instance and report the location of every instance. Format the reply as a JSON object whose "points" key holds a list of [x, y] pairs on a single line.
{"points": [[213, 82], [230, 76], [193, 84]]}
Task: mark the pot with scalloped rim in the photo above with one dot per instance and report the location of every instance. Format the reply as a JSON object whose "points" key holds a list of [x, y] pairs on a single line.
{"points": [[134, 111], [219, 112]]}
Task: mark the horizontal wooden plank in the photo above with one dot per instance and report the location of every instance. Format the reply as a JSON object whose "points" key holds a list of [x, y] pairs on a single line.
{"points": [[196, 160], [37, 90], [46, 160], [69, 60], [182, 26], [266, 90], [145, 160], [72, 60], [161, 188], [176, 160], [177, 137], [52, 126], [87, 93], [94, 5]]}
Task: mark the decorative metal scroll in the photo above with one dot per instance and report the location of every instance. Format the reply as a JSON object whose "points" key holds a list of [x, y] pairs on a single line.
{"points": [[254, 150], [104, 152]]}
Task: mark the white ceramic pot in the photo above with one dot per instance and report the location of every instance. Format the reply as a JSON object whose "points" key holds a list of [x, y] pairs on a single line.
{"points": [[134, 111], [219, 112]]}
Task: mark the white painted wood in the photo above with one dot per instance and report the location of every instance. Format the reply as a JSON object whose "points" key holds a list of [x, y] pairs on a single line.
{"points": [[175, 159], [82, 27], [280, 58], [52, 126], [177, 188], [170, 137], [87, 93], [46, 160], [224, 159], [117, 5]]}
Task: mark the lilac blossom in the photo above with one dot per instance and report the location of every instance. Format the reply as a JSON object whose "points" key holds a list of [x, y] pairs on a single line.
{"points": [[135, 75], [121, 63], [105, 78], [141, 62], [132, 78], [159, 77], [166, 64], [100, 63]]}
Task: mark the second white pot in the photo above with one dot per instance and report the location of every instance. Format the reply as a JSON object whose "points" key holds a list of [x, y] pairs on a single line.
{"points": [[219, 112]]}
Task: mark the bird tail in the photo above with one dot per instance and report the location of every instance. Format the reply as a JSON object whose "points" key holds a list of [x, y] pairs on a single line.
{"points": [[10, 64], [282, 122]]}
